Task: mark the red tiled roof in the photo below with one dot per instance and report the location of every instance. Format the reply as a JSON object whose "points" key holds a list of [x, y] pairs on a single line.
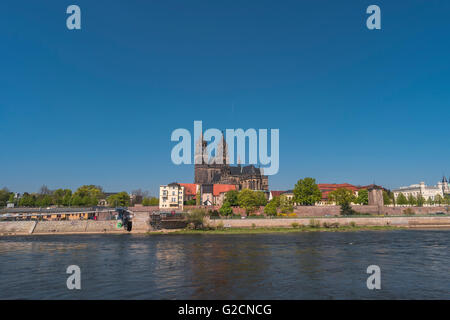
{"points": [[277, 193], [190, 189], [326, 188], [337, 186], [219, 188]]}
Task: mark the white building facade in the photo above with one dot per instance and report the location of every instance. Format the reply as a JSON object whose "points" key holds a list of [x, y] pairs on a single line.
{"points": [[171, 197], [427, 192]]}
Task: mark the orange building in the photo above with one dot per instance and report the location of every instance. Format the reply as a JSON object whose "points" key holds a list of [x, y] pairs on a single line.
{"points": [[190, 190], [219, 191], [326, 188], [211, 194]]}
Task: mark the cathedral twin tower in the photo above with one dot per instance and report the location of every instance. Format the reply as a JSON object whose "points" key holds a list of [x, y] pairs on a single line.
{"points": [[218, 171]]}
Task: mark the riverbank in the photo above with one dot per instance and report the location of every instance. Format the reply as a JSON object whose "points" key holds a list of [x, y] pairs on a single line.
{"points": [[8, 228], [353, 221], [226, 226]]}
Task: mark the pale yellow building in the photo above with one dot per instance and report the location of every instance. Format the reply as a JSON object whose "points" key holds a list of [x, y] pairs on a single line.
{"points": [[171, 197]]}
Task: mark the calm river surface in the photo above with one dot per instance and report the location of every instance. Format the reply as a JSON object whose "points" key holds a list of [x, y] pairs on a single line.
{"points": [[415, 264]]}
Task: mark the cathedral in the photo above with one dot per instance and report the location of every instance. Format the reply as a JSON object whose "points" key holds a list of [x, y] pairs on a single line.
{"points": [[220, 172], [446, 185]]}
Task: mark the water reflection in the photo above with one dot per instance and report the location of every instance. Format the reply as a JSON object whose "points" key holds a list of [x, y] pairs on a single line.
{"points": [[31, 246], [414, 263]]}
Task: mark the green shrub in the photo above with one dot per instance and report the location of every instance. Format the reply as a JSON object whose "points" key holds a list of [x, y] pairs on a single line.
{"points": [[190, 226], [409, 211], [331, 225], [191, 202], [346, 210], [271, 208], [196, 217], [220, 226], [352, 224], [208, 227], [213, 213], [295, 225], [226, 209], [314, 223]]}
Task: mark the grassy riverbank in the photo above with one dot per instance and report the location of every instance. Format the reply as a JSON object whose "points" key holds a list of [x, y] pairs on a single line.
{"points": [[280, 230]]}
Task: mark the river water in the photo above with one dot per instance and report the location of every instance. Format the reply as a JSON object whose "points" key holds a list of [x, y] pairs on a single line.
{"points": [[415, 264]]}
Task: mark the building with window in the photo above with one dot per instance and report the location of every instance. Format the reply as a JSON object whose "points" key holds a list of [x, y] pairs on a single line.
{"points": [[171, 197], [219, 192], [208, 172], [190, 191], [427, 192]]}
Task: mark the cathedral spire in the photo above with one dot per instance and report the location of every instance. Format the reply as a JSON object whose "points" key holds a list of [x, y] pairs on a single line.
{"points": [[200, 151]]}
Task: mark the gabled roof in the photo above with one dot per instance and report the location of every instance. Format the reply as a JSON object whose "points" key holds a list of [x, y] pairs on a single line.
{"points": [[326, 188], [220, 188], [334, 186], [190, 189], [250, 169], [207, 188], [277, 193], [173, 184]]}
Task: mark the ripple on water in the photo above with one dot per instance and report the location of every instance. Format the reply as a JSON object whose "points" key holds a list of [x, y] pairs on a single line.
{"points": [[329, 265]]}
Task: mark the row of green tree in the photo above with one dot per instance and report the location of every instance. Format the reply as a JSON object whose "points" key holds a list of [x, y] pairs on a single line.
{"points": [[5, 197], [307, 193], [247, 199], [84, 196], [419, 201]]}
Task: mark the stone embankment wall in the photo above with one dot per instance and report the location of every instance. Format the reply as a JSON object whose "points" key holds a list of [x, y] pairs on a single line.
{"points": [[141, 221], [17, 227], [358, 221], [52, 227], [141, 208], [313, 211], [320, 211], [79, 226], [141, 225]]}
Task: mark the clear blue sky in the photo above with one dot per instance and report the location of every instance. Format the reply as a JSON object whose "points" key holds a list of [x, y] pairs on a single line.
{"points": [[98, 105]]}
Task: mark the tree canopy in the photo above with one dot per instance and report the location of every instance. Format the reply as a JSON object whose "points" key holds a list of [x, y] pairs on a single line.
{"points": [[439, 199], [151, 201], [412, 201], [271, 208], [260, 198], [306, 192], [420, 200], [232, 198], [363, 197], [248, 200], [226, 209], [4, 196], [121, 199], [401, 199], [387, 198], [286, 204], [342, 196]]}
